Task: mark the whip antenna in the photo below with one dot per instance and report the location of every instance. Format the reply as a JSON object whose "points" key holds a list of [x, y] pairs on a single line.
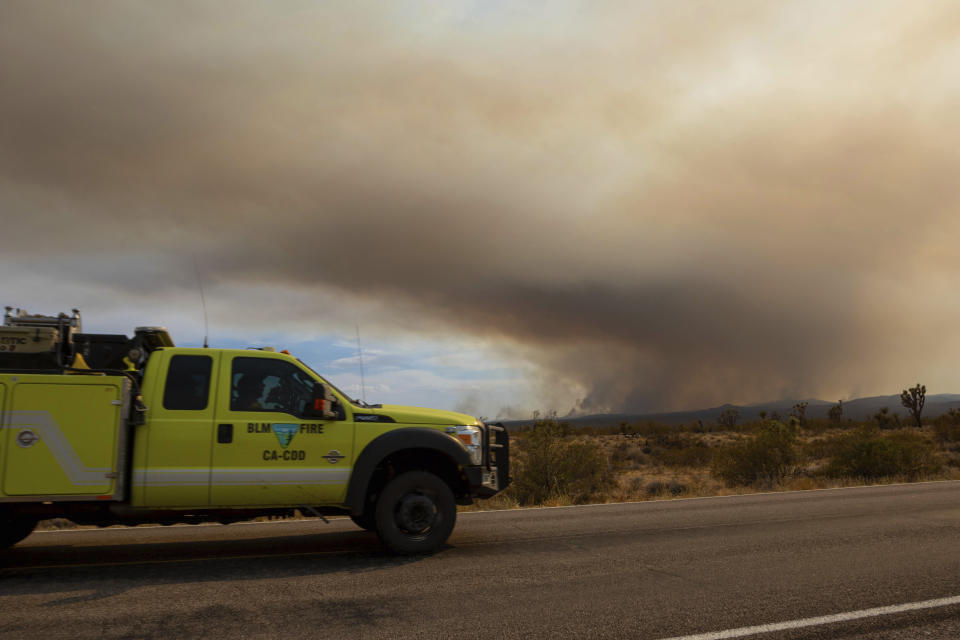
{"points": [[363, 386], [203, 303]]}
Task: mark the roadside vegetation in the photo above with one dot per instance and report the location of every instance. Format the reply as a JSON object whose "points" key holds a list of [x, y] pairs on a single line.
{"points": [[554, 464]]}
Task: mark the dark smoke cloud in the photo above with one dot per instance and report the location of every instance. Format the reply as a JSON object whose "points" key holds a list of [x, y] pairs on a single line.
{"points": [[660, 205]]}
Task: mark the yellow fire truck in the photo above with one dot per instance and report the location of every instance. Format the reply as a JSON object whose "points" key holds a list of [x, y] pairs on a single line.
{"points": [[105, 429]]}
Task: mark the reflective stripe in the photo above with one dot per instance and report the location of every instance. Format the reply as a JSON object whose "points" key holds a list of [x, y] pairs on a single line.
{"points": [[80, 475], [46, 427], [234, 476], [171, 477]]}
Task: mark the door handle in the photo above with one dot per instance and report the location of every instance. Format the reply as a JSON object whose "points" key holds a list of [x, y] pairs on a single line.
{"points": [[224, 433]]}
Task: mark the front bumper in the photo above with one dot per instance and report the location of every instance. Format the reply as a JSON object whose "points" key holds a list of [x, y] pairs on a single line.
{"points": [[493, 476]]}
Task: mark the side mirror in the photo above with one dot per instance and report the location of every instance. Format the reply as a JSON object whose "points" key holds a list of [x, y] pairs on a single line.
{"points": [[325, 404]]}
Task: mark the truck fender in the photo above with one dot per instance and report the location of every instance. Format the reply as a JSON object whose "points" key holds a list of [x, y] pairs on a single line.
{"points": [[391, 442]]}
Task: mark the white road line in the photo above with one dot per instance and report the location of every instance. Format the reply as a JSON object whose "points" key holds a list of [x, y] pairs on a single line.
{"points": [[820, 620]]}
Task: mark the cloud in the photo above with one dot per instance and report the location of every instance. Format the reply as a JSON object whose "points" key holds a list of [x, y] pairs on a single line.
{"points": [[656, 205]]}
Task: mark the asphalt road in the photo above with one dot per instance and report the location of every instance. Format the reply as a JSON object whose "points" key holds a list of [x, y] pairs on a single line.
{"points": [[643, 570]]}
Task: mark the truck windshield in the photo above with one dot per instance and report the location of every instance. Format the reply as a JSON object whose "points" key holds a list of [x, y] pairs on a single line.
{"points": [[355, 403]]}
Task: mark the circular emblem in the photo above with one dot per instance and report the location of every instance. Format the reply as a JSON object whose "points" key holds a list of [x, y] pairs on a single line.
{"points": [[27, 438]]}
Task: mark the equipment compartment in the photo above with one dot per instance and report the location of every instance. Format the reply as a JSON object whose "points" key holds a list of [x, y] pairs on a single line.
{"points": [[65, 438]]}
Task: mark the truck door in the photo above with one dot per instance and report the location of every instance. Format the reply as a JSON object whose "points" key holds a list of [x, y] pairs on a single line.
{"points": [[268, 450], [180, 433]]}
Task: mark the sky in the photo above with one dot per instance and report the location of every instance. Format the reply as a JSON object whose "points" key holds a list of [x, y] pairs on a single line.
{"points": [[579, 207]]}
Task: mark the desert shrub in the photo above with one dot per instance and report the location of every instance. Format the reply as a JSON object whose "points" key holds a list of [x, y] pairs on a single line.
{"points": [[947, 426], [816, 449], [594, 430], [698, 427], [661, 488], [767, 456], [655, 429], [627, 455], [867, 453], [887, 420], [694, 454], [728, 419], [947, 432], [550, 464], [677, 449], [634, 485], [671, 441], [816, 425]]}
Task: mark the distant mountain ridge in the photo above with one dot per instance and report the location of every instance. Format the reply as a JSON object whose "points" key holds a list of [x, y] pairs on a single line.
{"points": [[857, 409]]}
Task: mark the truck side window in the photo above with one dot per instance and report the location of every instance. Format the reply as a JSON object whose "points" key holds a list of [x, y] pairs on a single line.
{"points": [[265, 384], [188, 383]]}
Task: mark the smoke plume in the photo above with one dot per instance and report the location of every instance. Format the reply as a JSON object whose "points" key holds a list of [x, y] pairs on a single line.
{"points": [[659, 205]]}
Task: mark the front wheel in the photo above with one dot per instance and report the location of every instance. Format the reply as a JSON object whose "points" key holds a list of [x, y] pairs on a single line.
{"points": [[415, 513], [367, 520], [13, 529]]}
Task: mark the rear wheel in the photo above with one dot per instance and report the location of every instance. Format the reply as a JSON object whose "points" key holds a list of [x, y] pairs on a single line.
{"points": [[415, 513], [14, 528]]}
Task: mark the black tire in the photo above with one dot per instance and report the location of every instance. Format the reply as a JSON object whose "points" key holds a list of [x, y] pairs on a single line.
{"points": [[13, 529], [367, 520], [415, 513]]}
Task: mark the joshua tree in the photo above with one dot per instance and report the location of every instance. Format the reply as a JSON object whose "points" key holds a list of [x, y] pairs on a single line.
{"points": [[836, 412], [728, 418], [799, 412], [912, 400]]}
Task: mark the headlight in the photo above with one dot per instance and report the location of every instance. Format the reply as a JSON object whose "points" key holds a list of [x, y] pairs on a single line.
{"points": [[472, 439]]}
